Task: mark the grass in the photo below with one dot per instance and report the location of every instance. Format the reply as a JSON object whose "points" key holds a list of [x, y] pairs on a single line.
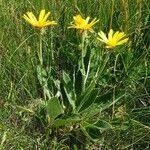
{"points": [[124, 91]]}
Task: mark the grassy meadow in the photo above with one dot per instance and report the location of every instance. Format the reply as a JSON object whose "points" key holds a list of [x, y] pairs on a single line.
{"points": [[95, 100]]}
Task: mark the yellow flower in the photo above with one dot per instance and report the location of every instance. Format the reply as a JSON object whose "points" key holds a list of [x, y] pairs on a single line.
{"points": [[41, 22], [112, 40], [82, 24]]}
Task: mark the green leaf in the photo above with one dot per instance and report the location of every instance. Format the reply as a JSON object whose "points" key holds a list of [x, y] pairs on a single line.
{"points": [[86, 103], [91, 88], [66, 122], [54, 108], [69, 89], [87, 134], [43, 80], [42, 75], [85, 96], [78, 83], [87, 57], [105, 101], [95, 129], [100, 124]]}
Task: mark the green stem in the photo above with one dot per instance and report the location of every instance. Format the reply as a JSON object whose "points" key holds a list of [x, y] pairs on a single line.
{"points": [[115, 65], [83, 51], [40, 53]]}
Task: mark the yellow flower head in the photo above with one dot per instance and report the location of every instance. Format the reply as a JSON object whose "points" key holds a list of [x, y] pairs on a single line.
{"points": [[82, 24], [41, 22], [112, 40]]}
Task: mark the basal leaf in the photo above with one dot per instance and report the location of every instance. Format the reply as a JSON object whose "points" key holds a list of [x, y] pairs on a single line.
{"points": [[54, 108], [86, 103], [69, 89]]}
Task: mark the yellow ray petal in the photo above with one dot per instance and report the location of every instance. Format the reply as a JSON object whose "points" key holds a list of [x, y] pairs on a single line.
{"points": [[93, 22], [116, 35], [122, 41], [103, 36], [47, 23], [46, 16], [87, 20], [110, 34], [79, 20], [41, 15], [31, 16], [28, 20], [101, 40], [120, 36]]}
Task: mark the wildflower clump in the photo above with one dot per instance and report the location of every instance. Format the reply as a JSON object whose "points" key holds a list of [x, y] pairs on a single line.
{"points": [[113, 40], [41, 22], [82, 24]]}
